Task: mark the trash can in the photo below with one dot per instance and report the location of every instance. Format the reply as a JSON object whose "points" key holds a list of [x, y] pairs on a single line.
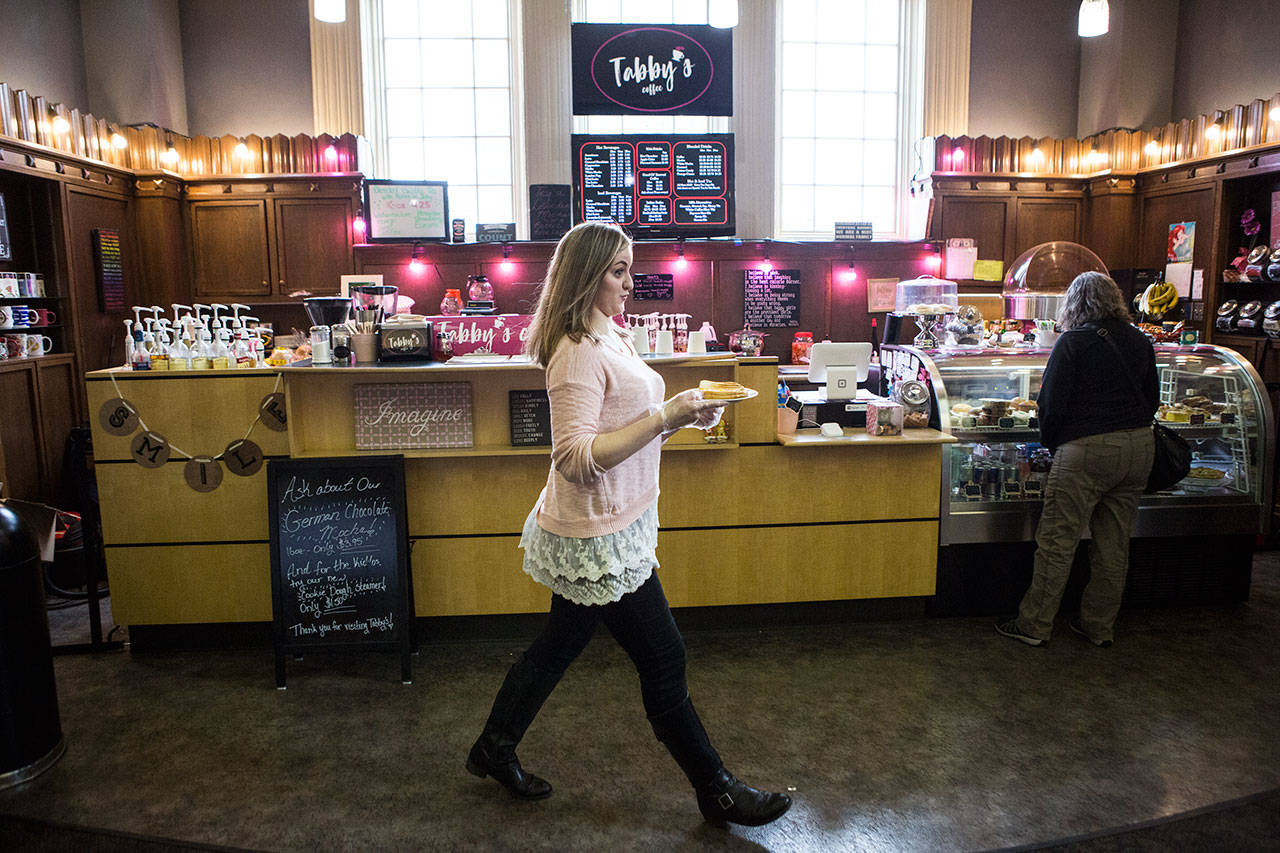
{"points": [[30, 730]]}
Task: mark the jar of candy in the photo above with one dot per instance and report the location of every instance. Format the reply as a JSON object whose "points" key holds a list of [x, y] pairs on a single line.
{"points": [[451, 305], [800, 346]]}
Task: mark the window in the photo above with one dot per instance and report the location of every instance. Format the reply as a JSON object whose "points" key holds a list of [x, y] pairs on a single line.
{"points": [[642, 12], [450, 89], [845, 111]]}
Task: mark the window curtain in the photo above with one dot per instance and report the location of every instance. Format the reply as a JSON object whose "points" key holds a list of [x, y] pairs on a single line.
{"points": [[336, 79], [946, 67]]}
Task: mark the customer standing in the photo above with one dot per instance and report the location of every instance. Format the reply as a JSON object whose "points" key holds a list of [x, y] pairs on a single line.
{"points": [[1100, 435], [592, 534]]}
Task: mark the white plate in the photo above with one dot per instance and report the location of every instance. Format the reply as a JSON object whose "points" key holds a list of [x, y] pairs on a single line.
{"points": [[751, 392]]}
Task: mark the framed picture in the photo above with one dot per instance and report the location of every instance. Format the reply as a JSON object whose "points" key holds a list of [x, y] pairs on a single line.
{"points": [[399, 211]]}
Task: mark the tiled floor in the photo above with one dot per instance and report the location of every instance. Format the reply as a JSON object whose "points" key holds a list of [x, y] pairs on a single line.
{"points": [[916, 734]]}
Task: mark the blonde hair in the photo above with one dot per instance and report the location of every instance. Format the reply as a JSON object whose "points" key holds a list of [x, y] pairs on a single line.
{"points": [[568, 296], [1092, 297]]}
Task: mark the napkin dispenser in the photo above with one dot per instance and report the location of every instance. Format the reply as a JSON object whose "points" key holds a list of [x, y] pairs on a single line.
{"points": [[404, 341]]}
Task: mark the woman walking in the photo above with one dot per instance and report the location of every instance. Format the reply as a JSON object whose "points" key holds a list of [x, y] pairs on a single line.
{"points": [[1097, 398], [592, 534]]}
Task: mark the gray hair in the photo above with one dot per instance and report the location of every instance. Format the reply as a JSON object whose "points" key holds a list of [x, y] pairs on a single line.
{"points": [[1091, 298]]}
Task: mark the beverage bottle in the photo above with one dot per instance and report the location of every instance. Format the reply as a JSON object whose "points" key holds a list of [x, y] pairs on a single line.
{"points": [[202, 357], [451, 305]]}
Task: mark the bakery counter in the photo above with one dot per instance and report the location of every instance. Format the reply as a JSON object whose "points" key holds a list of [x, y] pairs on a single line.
{"points": [[745, 520], [853, 437]]}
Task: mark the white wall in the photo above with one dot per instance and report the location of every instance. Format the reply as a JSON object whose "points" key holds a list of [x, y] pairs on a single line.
{"points": [[41, 50], [133, 62]]}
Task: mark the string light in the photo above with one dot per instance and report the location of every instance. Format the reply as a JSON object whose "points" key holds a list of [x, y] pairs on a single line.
{"points": [[506, 266], [416, 264]]}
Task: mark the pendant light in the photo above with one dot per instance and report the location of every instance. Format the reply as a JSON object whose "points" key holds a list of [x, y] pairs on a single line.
{"points": [[1095, 18], [722, 14], [331, 11]]}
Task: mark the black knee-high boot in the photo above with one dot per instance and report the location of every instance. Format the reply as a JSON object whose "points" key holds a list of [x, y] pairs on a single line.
{"points": [[721, 797], [522, 694]]}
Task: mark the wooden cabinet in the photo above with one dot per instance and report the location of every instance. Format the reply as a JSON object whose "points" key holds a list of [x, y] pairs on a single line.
{"points": [[262, 242], [1007, 216], [41, 405]]}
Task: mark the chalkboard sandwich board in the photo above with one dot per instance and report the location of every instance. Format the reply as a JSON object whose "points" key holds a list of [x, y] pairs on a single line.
{"points": [[339, 557]]}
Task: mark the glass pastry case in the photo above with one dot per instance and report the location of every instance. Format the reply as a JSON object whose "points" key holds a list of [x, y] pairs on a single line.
{"points": [[993, 477]]}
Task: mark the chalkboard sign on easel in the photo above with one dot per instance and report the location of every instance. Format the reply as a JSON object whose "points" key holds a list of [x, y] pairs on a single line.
{"points": [[530, 418], [339, 557]]}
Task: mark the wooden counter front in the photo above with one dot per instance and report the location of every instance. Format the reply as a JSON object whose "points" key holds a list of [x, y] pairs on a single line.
{"points": [[749, 521]]}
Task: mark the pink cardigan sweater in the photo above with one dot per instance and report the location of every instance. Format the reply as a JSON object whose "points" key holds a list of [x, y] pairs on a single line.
{"points": [[595, 389]]}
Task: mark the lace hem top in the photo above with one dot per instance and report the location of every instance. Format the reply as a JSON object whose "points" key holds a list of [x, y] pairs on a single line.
{"points": [[596, 569]]}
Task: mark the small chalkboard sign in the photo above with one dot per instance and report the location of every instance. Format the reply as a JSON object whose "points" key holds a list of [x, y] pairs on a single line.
{"points": [[550, 211], [771, 298], [6, 248], [339, 557], [653, 285], [110, 269], [530, 418]]}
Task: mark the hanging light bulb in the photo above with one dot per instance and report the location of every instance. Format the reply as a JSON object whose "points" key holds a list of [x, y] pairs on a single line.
{"points": [[957, 159], [1275, 113], [331, 11], [1213, 132], [1095, 18], [1152, 148], [61, 125], [506, 266], [331, 155], [416, 264], [170, 155], [1037, 158], [358, 224], [850, 275], [681, 262], [722, 14], [242, 149], [766, 265], [118, 141]]}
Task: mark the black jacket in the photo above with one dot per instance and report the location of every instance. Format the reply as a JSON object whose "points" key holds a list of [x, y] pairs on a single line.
{"points": [[1087, 391]]}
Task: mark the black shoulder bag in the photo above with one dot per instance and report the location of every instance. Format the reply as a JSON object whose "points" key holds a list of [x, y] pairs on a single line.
{"points": [[1172, 458]]}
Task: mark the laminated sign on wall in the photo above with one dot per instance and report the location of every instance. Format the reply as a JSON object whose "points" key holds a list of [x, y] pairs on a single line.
{"points": [[409, 416]]}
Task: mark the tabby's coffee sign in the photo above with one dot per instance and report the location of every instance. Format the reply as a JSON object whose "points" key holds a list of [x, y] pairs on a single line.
{"points": [[409, 416], [118, 416], [550, 211], [771, 299], [628, 69], [6, 248], [149, 449], [854, 231], [339, 556], [653, 285], [495, 232], [530, 418], [109, 265], [203, 473], [271, 412]]}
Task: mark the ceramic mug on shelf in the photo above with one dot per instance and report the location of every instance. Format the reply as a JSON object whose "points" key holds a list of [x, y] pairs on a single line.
{"points": [[44, 317], [9, 285], [15, 345], [15, 316], [37, 345]]}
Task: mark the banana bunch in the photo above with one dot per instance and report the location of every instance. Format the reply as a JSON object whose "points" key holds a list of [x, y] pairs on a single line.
{"points": [[1158, 299]]}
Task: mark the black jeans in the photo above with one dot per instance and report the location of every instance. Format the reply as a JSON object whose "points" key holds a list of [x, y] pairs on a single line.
{"points": [[642, 624]]}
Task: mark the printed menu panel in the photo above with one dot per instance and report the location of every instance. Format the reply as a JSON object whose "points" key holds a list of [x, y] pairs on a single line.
{"points": [[656, 186], [530, 412], [339, 555], [771, 299]]}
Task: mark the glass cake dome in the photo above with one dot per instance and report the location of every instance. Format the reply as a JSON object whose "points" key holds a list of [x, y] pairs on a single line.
{"points": [[1040, 276]]}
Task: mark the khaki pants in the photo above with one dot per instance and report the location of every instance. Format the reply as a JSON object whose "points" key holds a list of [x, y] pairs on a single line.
{"points": [[1095, 480]]}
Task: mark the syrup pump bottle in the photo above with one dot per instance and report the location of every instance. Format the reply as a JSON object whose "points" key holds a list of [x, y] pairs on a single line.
{"points": [[681, 336], [202, 357]]}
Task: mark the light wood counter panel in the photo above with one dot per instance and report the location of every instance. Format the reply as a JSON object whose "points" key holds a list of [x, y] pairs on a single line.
{"points": [[184, 584], [463, 577], [199, 422], [149, 506]]}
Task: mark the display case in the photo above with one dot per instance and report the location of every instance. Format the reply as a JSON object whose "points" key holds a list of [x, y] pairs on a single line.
{"points": [[992, 478]]}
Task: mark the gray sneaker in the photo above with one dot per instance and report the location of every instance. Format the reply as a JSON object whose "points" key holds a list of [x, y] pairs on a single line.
{"points": [[1010, 629], [1074, 624]]}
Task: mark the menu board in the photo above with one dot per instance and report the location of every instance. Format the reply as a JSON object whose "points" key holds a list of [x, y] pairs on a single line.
{"points": [[771, 299], [550, 211], [530, 418], [339, 556], [653, 285], [656, 185], [406, 210], [110, 269]]}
